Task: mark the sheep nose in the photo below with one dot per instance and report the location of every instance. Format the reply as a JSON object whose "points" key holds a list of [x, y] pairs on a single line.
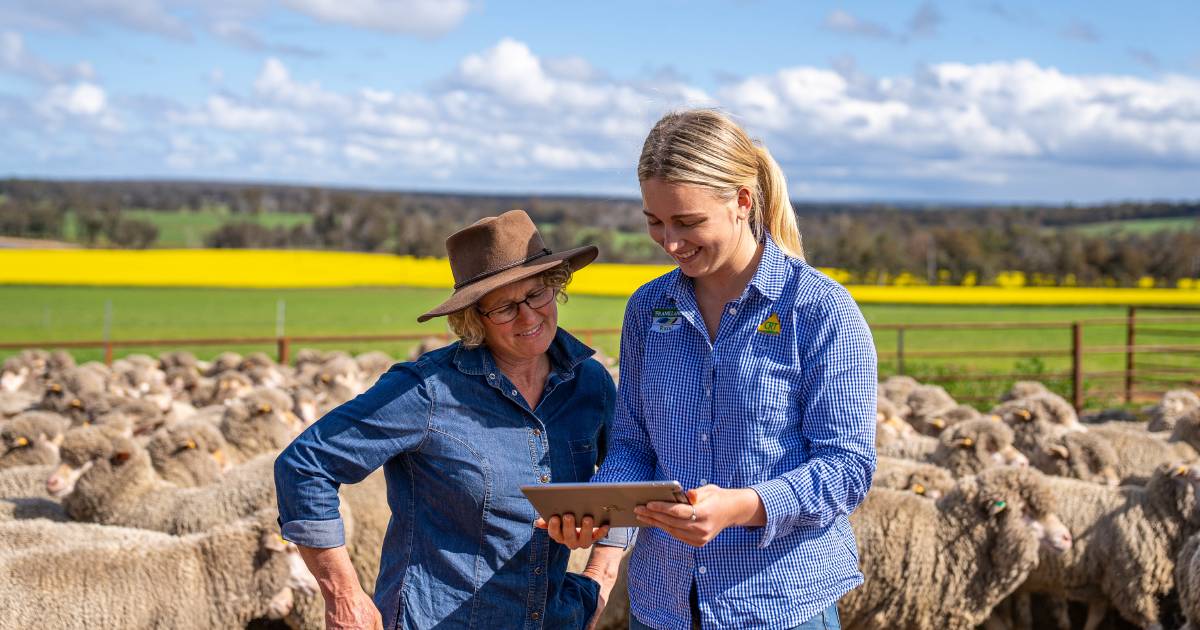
{"points": [[54, 484]]}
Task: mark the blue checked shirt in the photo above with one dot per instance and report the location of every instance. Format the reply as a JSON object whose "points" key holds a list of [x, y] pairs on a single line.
{"points": [[783, 402]]}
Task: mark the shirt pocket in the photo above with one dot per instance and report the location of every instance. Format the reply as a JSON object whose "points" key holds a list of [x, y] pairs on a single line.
{"points": [[583, 457]]}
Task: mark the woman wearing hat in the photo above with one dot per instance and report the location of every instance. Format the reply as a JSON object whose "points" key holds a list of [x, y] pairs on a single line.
{"points": [[516, 401]]}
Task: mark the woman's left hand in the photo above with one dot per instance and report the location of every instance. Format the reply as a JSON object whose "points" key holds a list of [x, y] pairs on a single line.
{"points": [[713, 509]]}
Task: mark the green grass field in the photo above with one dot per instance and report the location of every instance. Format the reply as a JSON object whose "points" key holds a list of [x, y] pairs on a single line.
{"points": [[187, 229], [1138, 226], [47, 314]]}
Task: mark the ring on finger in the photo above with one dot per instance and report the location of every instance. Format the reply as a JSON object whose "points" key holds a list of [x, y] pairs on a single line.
{"points": [[693, 512]]}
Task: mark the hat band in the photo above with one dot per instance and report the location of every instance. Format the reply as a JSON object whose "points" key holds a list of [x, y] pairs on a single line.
{"points": [[492, 272]]}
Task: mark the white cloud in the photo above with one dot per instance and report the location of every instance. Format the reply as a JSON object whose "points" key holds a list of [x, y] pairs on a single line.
{"points": [[843, 22], [72, 16], [15, 58], [81, 103], [419, 17], [510, 70], [225, 114]]}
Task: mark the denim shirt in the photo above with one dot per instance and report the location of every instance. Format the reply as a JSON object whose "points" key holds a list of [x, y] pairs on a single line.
{"points": [[456, 440]]}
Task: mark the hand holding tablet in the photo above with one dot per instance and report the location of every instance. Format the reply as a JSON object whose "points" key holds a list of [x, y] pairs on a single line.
{"points": [[607, 504]]}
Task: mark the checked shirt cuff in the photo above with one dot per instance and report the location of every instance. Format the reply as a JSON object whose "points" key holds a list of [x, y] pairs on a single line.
{"points": [[316, 534], [621, 537], [780, 503]]}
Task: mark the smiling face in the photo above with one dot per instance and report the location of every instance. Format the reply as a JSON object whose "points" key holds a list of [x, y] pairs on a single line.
{"points": [[529, 334], [701, 231]]}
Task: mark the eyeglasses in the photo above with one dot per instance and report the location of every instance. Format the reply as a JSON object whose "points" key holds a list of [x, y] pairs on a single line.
{"points": [[508, 312]]}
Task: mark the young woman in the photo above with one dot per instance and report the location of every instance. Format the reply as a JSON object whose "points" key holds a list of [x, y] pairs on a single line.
{"points": [[748, 376]]}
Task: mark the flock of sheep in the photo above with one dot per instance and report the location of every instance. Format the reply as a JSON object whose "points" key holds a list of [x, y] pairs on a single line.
{"points": [[141, 495], [986, 519]]}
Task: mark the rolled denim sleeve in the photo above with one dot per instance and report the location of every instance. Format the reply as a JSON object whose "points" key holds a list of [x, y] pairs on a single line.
{"points": [[630, 455], [345, 446], [838, 422]]}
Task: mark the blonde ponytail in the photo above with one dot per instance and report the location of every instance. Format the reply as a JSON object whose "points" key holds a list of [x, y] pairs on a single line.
{"points": [[703, 147], [777, 213]]}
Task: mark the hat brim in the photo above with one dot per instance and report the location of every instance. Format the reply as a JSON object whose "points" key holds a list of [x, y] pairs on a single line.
{"points": [[468, 295]]}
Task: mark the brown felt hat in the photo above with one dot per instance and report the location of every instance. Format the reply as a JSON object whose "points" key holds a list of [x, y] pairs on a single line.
{"points": [[496, 251]]}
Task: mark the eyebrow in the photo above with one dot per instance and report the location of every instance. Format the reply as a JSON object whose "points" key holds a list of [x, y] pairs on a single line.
{"points": [[510, 302], [682, 215]]}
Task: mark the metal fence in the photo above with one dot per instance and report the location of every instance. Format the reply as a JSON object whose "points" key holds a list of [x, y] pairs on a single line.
{"points": [[1146, 369]]}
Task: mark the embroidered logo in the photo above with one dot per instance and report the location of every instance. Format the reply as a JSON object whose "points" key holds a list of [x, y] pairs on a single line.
{"points": [[665, 320], [770, 325]]}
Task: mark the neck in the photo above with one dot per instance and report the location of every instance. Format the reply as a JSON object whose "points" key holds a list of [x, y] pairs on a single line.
{"points": [[523, 370], [730, 280]]}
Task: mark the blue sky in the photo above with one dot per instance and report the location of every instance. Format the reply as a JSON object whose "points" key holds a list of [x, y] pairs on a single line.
{"points": [[972, 100]]}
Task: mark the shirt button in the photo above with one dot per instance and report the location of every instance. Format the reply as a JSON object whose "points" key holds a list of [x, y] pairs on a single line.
{"points": [[492, 377], [702, 570], [732, 310], [536, 616], [537, 570], [514, 392], [703, 482], [703, 437], [545, 479], [537, 432]]}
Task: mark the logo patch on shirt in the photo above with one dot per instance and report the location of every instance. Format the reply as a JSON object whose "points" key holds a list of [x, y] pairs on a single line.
{"points": [[770, 325], [665, 320]]}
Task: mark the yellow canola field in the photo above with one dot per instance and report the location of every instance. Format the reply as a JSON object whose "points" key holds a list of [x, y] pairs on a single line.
{"points": [[317, 269]]}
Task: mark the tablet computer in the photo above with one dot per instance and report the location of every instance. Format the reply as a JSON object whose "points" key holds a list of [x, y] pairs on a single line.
{"points": [[607, 503]]}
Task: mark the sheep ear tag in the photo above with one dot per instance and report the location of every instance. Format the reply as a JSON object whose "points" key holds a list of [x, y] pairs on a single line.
{"points": [[998, 507], [770, 325], [665, 320]]}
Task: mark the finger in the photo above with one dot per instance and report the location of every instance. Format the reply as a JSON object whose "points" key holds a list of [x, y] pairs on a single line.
{"points": [[601, 532], [554, 529], [677, 514], [540, 523], [569, 533], [665, 522], [585, 529], [678, 510]]}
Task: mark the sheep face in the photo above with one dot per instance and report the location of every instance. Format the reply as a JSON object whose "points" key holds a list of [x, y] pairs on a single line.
{"points": [[1081, 455], [1175, 487], [12, 380], [82, 450], [29, 447], [1021, 498]]}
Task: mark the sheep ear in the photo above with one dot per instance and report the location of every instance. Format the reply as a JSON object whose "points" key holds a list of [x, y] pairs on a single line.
{"points": [[1059, 451], [997, 507]]}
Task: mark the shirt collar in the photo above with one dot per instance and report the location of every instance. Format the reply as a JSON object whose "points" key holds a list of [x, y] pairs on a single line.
{"points": [[566, 353], [769, 279]]}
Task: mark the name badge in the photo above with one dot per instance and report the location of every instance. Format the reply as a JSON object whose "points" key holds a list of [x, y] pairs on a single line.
{"points": [[770, 326], [665, 320]]}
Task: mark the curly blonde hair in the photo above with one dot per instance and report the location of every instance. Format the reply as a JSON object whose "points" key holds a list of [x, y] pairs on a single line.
{"points": [[467, 324]]}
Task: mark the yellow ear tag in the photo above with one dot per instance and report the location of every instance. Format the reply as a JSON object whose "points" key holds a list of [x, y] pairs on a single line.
{"points": [[918, 488], [21, 441], [770, 325]]}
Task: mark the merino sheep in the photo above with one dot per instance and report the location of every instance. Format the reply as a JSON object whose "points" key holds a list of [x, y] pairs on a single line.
{"points": [[972, 446], [897, 388], [946, 564], [105, 478], [374, 364], [31, 438], [1126, 541], [927, 480], [426, 345], [928, 406], [1024, 389], [1187, 582], [1173, 406], [1141, 452], [1079, 455], [219, 579], [250, 430], [15, 402], [1037, 419], [189, 453], [914, 446]]}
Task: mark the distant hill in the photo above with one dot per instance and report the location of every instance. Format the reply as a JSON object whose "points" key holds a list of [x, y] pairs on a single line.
{"points": [[1121, 243]]}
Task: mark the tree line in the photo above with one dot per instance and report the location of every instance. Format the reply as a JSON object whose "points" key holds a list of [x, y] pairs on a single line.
{"points": [[873, 242]]}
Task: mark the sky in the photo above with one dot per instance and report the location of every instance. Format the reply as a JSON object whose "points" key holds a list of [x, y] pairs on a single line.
{"points": [[974, 100]]}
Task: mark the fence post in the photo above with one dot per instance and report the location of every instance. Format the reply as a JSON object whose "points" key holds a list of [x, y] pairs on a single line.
{"points": [[1130, 339], [900, 351], [283, 346], [1077, 365], [108, 349]]}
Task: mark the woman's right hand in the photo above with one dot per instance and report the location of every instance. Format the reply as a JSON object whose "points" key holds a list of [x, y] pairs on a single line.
{"points": [[562, 529], [354, 612]]}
